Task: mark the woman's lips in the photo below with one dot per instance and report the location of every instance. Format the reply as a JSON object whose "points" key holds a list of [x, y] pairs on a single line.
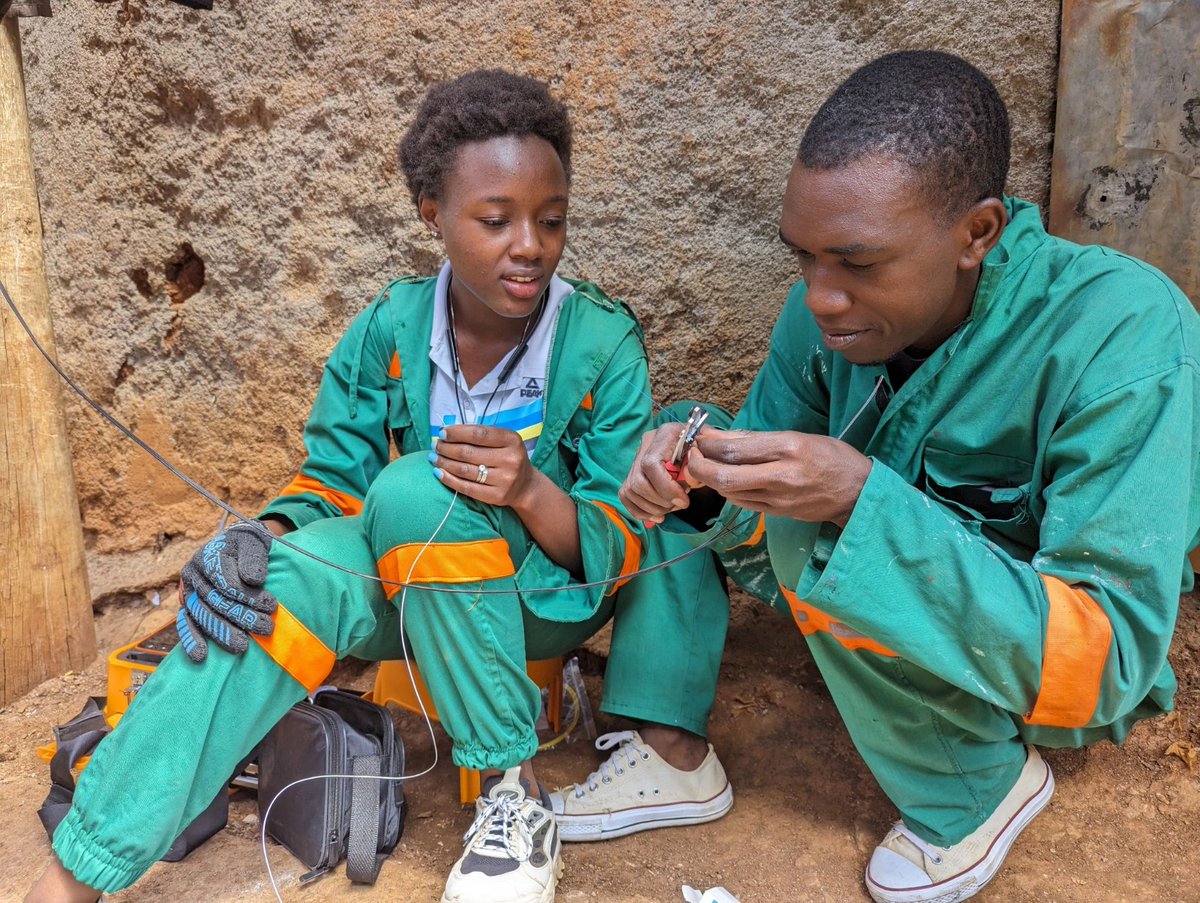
{"points": [[521, 287]]}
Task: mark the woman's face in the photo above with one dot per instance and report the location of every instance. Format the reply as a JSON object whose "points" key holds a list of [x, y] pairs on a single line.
{"points": [[503, 216]]}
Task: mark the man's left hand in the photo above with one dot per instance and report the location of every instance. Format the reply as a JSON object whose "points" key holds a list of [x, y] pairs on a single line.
{"points": [[784, 474]]}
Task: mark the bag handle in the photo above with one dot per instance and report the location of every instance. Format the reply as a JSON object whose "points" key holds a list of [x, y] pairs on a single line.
{"points": [[363, 859], [73, 740]]}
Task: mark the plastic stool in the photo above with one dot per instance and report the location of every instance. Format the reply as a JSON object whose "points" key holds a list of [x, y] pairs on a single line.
{"points": [[392, 684]]}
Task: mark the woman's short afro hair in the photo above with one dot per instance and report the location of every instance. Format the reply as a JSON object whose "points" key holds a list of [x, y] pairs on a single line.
{"points": [[483, 104], [934, 111]]}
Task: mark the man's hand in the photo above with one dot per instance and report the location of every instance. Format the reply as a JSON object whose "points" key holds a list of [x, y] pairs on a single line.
{"points": [[221, 594], [650, 492], [784, 474], [485, 463]]}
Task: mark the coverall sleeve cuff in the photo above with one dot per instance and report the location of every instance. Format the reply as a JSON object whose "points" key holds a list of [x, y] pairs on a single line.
{"points": [[739, 523], [299, 513], [840, 567], [91, 863]]}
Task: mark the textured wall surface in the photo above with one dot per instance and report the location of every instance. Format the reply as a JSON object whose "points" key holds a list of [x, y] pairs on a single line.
{"points": [[220, 197]]}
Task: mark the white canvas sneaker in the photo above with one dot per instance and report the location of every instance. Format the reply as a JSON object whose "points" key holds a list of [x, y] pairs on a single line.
{"points": [[906, 869], [512, 854], [636, 790]]}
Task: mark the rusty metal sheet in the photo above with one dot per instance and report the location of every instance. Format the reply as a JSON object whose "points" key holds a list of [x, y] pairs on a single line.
{"points": [[1126, 168]]}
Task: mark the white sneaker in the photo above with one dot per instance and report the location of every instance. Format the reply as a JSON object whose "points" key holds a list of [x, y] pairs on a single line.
{"points": [[906, 869], [636, 790], [512, 854]]}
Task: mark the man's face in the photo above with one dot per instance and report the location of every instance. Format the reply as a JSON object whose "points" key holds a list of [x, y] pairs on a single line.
{"points": [[881, 266]]}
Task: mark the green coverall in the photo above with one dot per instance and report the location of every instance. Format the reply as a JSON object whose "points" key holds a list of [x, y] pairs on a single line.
{"points": [[1012, 569], [190, 725]]}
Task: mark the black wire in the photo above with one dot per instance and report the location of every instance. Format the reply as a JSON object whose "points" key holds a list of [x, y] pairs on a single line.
{"points": [[729, 527]]}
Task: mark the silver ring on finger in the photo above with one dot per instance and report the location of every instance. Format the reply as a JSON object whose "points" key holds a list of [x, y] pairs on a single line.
{"points": [[481, 476]]}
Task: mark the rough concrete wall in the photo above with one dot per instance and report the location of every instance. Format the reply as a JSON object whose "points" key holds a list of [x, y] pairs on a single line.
{"points": [[220, 197]]}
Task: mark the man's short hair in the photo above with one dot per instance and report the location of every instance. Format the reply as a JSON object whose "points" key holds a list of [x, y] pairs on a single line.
{"points": [[934, 111], [477, 106]]}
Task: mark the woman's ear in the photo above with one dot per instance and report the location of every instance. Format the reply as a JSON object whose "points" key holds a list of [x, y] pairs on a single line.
{"points": [[427, 208], [982, 227]]}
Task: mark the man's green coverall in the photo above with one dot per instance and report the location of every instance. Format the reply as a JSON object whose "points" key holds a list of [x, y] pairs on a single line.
{"points": [[191, 724], [1011, 571]]}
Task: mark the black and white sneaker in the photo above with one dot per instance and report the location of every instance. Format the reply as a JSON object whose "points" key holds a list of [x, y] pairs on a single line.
{"points": [[512, 852]]}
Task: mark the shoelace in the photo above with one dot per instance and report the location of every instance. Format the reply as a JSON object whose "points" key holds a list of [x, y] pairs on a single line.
{"points": [[500, 828], [923, 845], [626, 747]]}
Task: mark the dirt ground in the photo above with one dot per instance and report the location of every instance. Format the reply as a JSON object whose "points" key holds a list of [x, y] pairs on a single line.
{"points": [[1123, 825]]}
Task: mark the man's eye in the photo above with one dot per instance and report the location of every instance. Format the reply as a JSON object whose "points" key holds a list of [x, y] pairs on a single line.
{"points": [[858, 267], [802, 254]]}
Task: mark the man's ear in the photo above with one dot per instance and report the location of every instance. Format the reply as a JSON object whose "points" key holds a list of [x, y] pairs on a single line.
{"points": [[427, 209], [981, 227]]}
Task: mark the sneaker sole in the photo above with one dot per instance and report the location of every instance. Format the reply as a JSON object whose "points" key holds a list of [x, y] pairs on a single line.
{"points": [[582, 828], [546, 896], [970, 882]]}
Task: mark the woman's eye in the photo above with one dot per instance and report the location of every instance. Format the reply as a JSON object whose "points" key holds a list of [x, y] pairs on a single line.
{"points": [[554, 222], [494, 222], [858, 267]]}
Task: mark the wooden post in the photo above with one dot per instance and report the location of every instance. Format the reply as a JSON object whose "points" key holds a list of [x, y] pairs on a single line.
{"points": [[45, 609]]}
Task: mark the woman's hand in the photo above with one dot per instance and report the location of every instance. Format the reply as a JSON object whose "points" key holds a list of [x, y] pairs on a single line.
{"points": [[784, 474], [461, 451]]}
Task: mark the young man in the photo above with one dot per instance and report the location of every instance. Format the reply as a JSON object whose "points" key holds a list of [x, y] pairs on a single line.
{"points": [[976, 448]]}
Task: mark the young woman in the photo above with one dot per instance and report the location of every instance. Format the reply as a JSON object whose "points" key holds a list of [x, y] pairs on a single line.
{"points": [[516, 401]]}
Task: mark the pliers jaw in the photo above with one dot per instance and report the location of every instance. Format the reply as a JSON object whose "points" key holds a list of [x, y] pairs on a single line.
{"points": [[687, 438]]}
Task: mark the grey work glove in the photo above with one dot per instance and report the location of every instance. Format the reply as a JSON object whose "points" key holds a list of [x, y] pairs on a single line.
{"points": [[222, 595]]}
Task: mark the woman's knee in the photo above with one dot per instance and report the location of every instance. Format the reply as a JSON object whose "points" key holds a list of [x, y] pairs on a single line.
{"points": [[406, 502]]}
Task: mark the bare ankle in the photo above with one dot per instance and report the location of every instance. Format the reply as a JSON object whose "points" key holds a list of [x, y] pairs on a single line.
{"points": [[57, 885], [678, 748]]}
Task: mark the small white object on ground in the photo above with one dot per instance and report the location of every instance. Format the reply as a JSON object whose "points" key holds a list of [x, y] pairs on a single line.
{"points": [[714, 895]]}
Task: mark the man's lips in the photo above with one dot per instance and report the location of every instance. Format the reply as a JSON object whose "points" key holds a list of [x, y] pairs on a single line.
{"points": [[836, 339]]}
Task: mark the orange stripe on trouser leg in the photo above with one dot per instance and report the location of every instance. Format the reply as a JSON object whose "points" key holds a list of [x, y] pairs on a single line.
{"points": [[297, 650], [445, 562], [304, 484], [633, 546], [1078, 637], [812, 620], [394, 369]]}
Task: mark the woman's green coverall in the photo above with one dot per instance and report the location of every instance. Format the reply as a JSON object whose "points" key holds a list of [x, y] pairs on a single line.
{"points": [[191, 724]]}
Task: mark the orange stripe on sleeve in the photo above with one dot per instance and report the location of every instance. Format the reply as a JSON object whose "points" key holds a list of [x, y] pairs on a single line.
{"points": [[1078, 637], [445, 562], [303, 483], [760, 530], [297, 650], [812, 620], [394, 369], [633, 545]]}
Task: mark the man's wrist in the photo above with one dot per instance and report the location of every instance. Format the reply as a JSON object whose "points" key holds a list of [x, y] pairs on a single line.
{"points": [[857, 479]]}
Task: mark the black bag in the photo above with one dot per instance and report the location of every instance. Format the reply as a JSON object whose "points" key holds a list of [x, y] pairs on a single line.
{"points": [[322, 821], [76, 739]]}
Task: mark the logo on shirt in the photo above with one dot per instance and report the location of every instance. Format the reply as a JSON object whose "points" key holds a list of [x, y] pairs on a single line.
{"points": [[533, 388]]}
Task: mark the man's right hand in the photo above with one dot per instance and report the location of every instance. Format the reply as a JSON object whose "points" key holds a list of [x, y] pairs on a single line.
{"points": [[221, 592], [649, 492]]}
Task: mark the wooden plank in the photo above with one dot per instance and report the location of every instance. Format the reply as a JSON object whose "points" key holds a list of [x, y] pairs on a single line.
{"points": [[1126, 168], [45, 609], [29, 8]]}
